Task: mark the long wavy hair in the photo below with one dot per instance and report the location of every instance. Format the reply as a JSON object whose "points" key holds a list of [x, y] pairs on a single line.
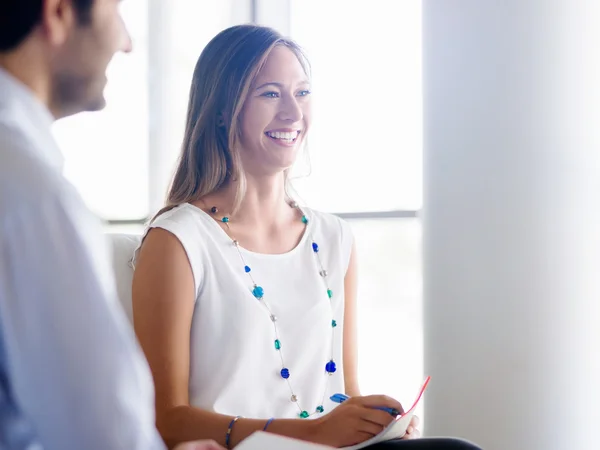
{"points": [[224, 73]]}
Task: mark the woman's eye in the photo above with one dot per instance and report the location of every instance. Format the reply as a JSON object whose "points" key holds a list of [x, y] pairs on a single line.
{"points": [[271, 94]]}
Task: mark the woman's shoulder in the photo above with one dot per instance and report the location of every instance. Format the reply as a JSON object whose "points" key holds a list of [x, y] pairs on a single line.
{"points": [[191, 225], [182, 214], [331, 227], [327, 222], [185, 222]]}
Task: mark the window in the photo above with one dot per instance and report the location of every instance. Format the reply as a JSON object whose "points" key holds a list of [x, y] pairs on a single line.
{"points": [[365, 155], [389, 306], [122, 158], [106, 156], [365, 145]]}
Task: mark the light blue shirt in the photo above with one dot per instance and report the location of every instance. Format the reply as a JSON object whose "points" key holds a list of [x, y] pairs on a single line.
{"points": [[72, 375]]}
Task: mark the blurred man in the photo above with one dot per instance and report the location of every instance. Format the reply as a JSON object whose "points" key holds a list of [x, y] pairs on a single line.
{"points": [[71, 373]]}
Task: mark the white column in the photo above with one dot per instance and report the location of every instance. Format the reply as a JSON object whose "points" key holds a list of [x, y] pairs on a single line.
{"points": [[512, 222]]}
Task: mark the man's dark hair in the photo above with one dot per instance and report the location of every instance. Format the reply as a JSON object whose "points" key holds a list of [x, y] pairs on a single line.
{"points": [[18, 18]]}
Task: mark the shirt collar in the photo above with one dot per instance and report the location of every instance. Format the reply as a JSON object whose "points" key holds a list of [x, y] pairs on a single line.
{"points": [[32, 116]]}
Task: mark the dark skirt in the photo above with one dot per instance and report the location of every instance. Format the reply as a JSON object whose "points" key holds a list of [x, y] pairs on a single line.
{"points": [[425, 444]]}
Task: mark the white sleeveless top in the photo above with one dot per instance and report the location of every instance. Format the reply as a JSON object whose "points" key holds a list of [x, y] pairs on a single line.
{"points": [[234, 366]]}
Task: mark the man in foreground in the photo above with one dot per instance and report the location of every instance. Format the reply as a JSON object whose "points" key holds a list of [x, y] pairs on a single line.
{"points": [[71, 373]]}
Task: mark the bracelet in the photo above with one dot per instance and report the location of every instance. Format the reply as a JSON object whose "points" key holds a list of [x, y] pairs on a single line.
{"points": [[228, 434], [268, 423]]}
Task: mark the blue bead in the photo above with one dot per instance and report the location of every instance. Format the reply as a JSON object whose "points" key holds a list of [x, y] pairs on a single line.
{"points": [[258, 292], [315, 247], [285, 373], [247, 269], [225, 219], [330, 367]]}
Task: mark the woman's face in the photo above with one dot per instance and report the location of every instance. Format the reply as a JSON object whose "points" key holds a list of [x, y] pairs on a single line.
{"points": [[276, 114]]}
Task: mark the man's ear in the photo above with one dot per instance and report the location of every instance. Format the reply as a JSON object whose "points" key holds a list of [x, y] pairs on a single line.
{"points": [[58, 19]]}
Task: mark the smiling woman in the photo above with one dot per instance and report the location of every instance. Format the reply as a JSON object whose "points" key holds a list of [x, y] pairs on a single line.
{"points": [[234, 278], [244, 302]]}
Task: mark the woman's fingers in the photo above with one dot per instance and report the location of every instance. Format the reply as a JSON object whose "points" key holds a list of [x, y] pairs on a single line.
{"points": [[414, 434], [379, 401], [377, 416], [415, 421]]}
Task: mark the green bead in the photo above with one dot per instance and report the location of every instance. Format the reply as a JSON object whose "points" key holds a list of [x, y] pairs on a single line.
{"points": [[304, 414], [277, 344], [320, 409], [304, 220], [329, 293], [333, 324]]}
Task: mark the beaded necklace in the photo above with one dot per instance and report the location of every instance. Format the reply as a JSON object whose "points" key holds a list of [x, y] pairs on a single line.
{"points": [[259, 293]]}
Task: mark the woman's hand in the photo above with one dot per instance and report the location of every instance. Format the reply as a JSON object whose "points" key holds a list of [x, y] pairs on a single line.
{"points": [[354, 421], [412, 431], [199, 445]]}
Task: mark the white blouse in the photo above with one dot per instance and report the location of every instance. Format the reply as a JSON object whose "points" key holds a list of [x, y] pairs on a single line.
{"points": [[235, 367]]}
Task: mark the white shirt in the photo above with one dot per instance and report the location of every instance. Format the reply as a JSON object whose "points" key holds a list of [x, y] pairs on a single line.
{"points": [[234, 365], [74, 376]]}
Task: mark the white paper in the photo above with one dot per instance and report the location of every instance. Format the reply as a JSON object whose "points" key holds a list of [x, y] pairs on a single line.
{"points": [[269, 441], [396, 429]]}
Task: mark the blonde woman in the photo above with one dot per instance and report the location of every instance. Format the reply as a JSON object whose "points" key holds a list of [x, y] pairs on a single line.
{"points": [[245, 302]]}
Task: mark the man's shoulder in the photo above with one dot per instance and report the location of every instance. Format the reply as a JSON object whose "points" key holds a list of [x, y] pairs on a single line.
{"points": [[26, 182]]}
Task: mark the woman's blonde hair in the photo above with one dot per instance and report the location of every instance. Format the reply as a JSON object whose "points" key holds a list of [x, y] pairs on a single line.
{"points": [[224, 73]]}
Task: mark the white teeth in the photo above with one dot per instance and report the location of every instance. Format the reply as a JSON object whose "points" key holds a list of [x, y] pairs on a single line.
{"points": [[287, 136]]}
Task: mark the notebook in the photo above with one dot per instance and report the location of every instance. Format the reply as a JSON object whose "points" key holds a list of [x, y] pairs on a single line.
{"points": [[268, 441], [397, 429]]}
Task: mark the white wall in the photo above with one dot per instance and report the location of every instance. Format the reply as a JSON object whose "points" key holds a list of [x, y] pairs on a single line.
{"points": [[512, 223]]}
